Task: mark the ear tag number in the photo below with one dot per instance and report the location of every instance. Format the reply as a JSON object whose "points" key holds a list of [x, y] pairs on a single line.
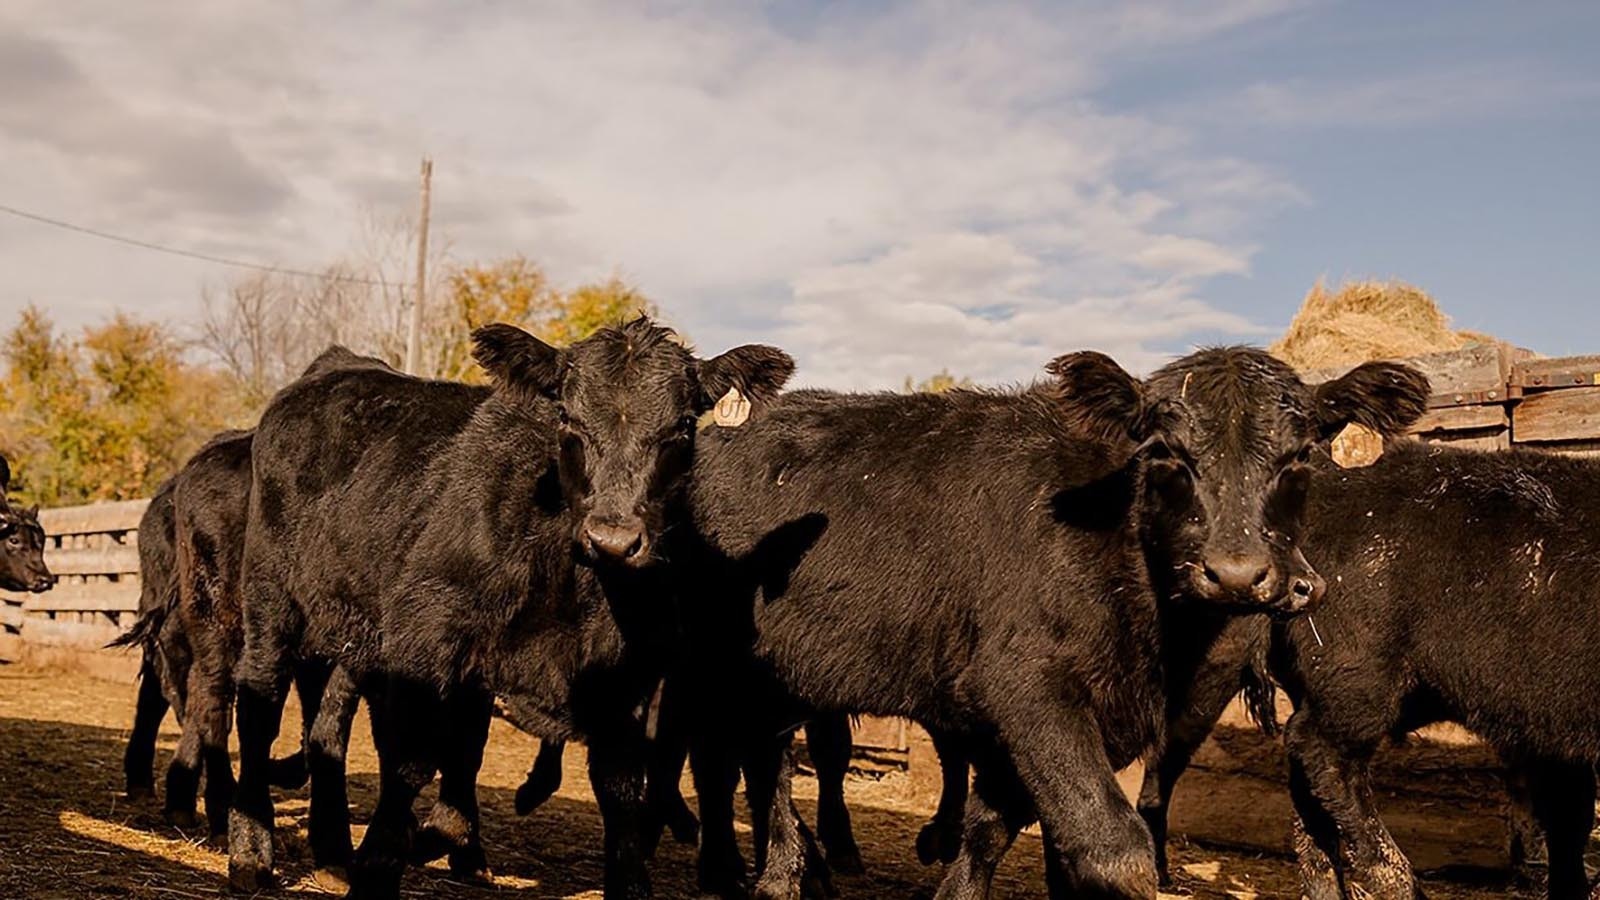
{"points": [[1357, 446], [732, 410]]}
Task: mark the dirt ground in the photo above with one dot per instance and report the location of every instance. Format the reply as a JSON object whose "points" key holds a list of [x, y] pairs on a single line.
{"points": [[67, 830]]}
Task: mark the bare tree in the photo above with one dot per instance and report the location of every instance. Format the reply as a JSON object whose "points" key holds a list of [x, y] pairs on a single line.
{"points": [[265, 328]]}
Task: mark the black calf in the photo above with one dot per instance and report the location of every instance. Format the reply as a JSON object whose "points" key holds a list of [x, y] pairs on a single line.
{"points": [[1464, 592], [22, 566], [425, 536], [992, 565]]}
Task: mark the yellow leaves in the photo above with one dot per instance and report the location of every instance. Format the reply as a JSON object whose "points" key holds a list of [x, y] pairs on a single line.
{"points": [[107, 416], [516, 291], [936, 384]]}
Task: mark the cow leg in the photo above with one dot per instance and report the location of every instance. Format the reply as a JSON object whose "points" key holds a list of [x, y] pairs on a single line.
{"points": [[617, 764], [669, 749], [214, 718], [1316, 840], [544, 778], [997, 808], [940, 839], [1527, 852], [1340, 783], [183, 773], [1103, 848], [262, 686], [1563, 797], [715, 767], [788, 864], [139, 760], [454, 825], [829, 741], [1213, 687], [407, 733], [327, 738]]}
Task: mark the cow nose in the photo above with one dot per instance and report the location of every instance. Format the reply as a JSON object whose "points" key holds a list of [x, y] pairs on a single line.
{"points": [[43, 583], [621, 541], [1238, 574]]}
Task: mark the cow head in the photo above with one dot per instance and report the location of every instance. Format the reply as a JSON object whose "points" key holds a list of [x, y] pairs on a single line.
{"points": [[626, 400], [22, 565], [1225, 439]]}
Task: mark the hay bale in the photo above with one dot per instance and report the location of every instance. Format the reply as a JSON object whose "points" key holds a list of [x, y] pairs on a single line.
{"points": [[1365, 320]]}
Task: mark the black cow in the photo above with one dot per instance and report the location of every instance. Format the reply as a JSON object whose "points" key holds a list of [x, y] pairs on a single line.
{"points": [[997, 567], [188, 630], [22, 566], [1464, 592], [429, 539]]}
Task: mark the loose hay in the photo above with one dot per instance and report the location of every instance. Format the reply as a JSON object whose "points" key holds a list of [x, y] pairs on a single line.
{"points": [[1365, 320]]}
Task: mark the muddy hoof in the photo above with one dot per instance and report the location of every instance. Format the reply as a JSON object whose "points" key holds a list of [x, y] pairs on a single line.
{"points": [[249, 854], [186, 819], [248, 878], [137, 792]]}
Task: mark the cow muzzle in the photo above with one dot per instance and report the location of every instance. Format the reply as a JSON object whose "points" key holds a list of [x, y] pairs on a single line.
{"points": [[616, 540]]}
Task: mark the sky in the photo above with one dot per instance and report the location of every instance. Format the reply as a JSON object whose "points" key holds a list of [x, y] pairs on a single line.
{"points": [[885, 189]]}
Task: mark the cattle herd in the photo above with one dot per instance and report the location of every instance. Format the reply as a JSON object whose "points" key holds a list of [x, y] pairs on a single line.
{"points": [[676, 562]]}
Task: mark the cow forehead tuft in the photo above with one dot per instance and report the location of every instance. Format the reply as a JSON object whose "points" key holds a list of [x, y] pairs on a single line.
{"points": [[1236, 402]]}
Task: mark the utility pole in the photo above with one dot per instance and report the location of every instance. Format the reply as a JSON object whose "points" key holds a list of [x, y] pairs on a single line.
{"points": [[414, 338]]}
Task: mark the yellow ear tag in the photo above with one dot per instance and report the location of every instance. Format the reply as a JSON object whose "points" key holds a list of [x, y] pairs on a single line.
{"points": [[732, 410], [1357, 446]]}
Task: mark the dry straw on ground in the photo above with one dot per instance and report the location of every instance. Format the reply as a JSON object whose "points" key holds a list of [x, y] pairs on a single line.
{"points": [[1364, 320]]}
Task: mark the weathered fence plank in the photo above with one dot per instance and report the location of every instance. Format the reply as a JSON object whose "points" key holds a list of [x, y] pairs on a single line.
{"points": [[1564, 415], [115, 559], [94, 518]]}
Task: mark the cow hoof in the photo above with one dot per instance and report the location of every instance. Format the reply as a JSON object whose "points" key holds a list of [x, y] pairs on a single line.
{"points": [[249, 879], [684, 826], [722, 886], [481, 876], [428, 845], [289, 773], [533, 793], [249, 854], [938, 843], [375, 883], [331, 880], [847, 861], [140, 792], [185, 819]]}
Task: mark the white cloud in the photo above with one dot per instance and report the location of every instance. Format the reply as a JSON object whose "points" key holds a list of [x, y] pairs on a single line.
{"points": [[890, 193]]}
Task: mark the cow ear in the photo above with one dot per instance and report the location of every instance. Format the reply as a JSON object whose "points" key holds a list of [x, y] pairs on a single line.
{"points": [[519, 362], [1386, 397], [1100, 399], [757, 370], [5, 475]]}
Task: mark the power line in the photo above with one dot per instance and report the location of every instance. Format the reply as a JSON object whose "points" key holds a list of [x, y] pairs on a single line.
{"points": [[191, 254]]}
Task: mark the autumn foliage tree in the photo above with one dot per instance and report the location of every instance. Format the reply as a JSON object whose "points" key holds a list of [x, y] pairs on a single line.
{"points": [[112, 412], [107, 415], [517, 291]]}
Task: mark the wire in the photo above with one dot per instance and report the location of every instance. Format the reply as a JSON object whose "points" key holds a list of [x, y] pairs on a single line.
{"points": [[191, 254]]}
